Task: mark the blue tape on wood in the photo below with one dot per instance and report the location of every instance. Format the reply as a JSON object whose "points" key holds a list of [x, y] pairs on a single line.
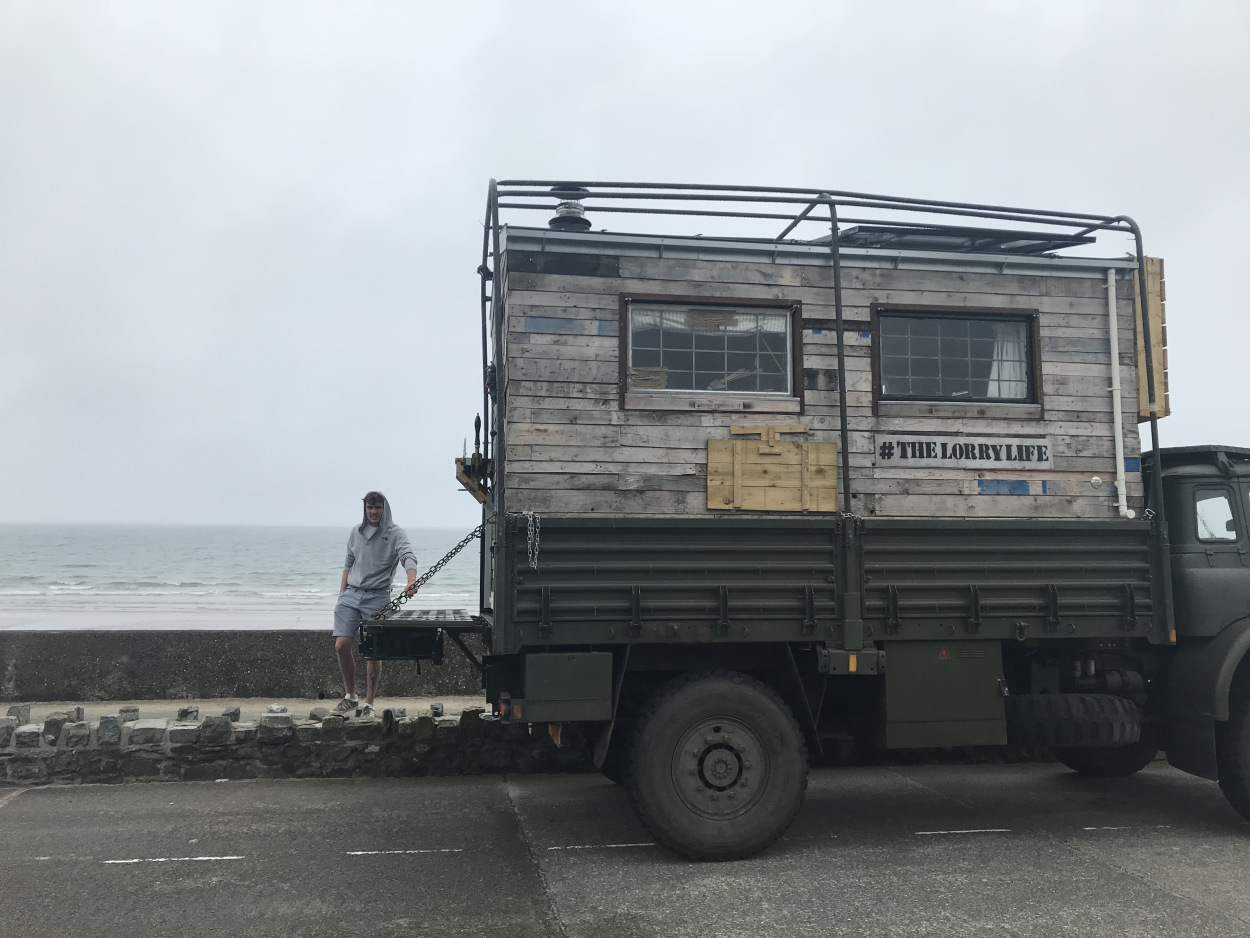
{"points": [[1002, 487]]}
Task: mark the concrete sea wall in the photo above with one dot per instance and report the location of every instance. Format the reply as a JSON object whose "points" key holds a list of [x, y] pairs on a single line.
{"points": [[163, 665]]}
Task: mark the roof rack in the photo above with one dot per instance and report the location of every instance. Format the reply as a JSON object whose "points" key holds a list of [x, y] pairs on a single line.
{"points": [[877, 217]]}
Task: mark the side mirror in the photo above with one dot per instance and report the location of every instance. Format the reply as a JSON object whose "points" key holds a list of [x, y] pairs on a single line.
{"points": [[1230, 525]]}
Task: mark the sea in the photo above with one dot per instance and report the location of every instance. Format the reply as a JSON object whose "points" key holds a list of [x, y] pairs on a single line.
{"points": [[100, 576]]}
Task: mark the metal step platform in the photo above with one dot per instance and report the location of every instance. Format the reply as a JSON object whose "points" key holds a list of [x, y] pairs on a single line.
{"points": [[417, 635]]}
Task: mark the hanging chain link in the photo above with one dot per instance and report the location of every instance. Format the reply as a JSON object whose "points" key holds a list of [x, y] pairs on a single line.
{"points": [[533, 531], [409, 591]]}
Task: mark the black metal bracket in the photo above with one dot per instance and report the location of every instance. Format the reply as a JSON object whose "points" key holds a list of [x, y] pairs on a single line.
{"points": [[635, 612], [722, 621], [1131, 622], [891, 610], [544, 620], [974, 610], [1052, 607], [800, 701], [809, 609], [473, 659]]}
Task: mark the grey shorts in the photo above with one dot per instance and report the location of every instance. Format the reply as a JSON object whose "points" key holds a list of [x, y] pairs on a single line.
{"points": [[354, 606]]}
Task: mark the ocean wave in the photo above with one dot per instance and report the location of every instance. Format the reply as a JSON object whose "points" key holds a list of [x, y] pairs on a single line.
{"points": [[296, 594]]}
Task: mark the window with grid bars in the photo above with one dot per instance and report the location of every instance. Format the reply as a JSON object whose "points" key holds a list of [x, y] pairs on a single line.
{"points": [[949, 357], [710, 349]]}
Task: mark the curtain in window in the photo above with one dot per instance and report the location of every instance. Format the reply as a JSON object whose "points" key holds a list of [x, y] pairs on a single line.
{"points": [[1008, 371]]}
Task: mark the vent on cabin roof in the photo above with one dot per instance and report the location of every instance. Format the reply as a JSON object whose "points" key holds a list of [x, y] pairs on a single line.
{"points": [[955, 238], [570, 213]]}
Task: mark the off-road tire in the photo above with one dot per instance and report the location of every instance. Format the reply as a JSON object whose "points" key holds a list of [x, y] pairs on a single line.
{"points": [[719, 766], [1109, 762], [1071, 721], [1232, 748]]}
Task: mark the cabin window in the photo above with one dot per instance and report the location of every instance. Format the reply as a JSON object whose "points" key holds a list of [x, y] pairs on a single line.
{"points": [[940, 356], [1213, 514], [716, 350]]}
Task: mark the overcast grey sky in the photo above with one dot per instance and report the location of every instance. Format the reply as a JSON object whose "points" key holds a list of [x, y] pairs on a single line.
{"points": [[238, 240]]}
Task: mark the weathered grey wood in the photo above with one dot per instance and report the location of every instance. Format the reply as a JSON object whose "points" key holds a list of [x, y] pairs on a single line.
{"points": [[982, 425], [588, 390], [604, 293], [728, 404], [564, 435], [608, 504], [573, 481], [1075, 484], [546, 302], [539, 350], [548, 463], [524, 369], [571, 448], [522, 402], [998, 506], [683, 269]]}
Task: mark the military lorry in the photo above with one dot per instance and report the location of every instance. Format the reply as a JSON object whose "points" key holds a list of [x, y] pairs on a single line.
{"points": [[805, 469]]}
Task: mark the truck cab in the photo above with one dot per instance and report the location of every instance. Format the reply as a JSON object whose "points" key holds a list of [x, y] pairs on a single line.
{"points": [[1206, 490], [1206, 499]]}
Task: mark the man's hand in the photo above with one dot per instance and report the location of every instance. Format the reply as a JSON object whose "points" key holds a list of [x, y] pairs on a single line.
{"points": [[411, 589]]}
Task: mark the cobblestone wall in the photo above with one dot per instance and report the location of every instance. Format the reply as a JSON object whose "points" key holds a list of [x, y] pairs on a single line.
{"points": [[125, 747]]}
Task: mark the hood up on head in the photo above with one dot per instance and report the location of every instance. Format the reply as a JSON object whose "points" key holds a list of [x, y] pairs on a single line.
{"points": [[385, 523]]}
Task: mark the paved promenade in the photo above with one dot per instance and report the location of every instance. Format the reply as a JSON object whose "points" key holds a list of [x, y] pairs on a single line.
{"points": [[1013, 850]]}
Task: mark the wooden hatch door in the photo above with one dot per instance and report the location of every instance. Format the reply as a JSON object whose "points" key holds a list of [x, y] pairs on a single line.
{"points": [[771, 474]]}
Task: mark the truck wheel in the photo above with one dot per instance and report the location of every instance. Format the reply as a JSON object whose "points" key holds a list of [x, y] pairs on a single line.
{"points": [[1109, 762], [719, 768], [1232, 749]]}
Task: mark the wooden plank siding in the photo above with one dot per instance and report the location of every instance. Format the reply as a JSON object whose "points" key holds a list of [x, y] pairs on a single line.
{"points": [[569, 447]]}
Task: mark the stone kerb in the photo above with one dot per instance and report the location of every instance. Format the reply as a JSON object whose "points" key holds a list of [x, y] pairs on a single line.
{"points": [[124, 747]]}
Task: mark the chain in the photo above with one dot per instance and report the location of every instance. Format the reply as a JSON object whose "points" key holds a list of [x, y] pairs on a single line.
{"points": [[409, 591], [533, 530]]}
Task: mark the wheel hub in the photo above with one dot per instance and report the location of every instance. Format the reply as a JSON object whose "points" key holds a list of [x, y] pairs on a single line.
{"points": [[719, 768]]}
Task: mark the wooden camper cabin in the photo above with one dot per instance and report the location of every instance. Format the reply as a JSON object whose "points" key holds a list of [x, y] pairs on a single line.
{"points": [[643, 375]]}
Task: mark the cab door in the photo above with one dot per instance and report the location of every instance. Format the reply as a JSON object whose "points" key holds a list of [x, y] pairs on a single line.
{"points": [[1211, 558]]}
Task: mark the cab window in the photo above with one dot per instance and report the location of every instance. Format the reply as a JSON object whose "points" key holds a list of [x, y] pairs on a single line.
{"points": [[1213, 515]]}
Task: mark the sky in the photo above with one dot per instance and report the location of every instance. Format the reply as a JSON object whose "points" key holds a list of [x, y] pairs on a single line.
{"points": [[238, 241]]}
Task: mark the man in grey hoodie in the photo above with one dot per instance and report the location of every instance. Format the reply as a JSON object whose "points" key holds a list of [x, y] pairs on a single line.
{"points": [[375, 548]]}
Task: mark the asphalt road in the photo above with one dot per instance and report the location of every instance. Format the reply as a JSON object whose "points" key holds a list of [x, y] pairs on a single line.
{"points": [[931, 850]]}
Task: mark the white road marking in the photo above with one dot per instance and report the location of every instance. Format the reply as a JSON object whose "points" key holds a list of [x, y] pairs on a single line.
{"points": [[5, 799], [171, 859], [979, 830], [1128, 827], [600, 846], [382, 853]]}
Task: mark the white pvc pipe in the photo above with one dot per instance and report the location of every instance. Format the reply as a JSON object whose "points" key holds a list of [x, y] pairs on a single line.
{"points": [[1121, 495]]}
